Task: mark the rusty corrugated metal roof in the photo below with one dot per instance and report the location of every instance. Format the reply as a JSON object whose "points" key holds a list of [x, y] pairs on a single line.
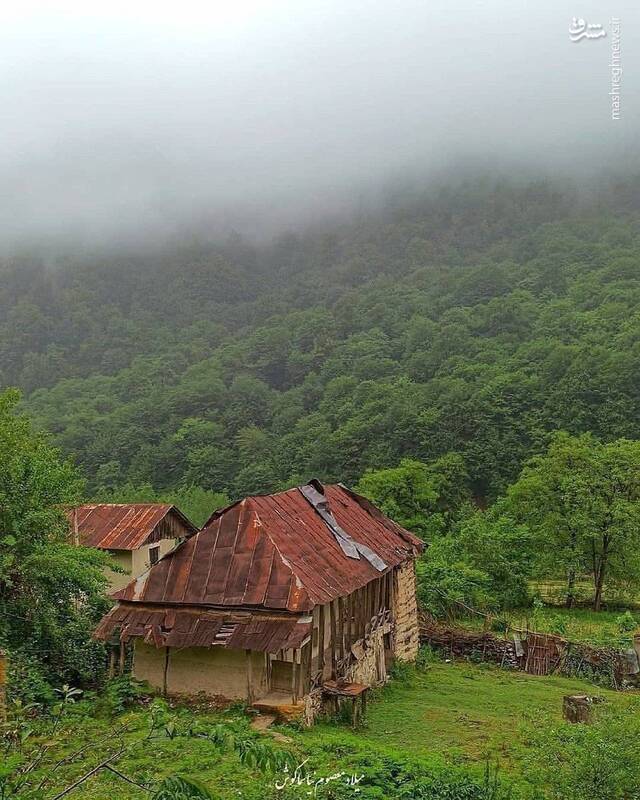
{"points": [[277, 552], [198, 627], [126, 526]]}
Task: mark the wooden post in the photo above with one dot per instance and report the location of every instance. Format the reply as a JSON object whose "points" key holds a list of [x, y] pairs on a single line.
{"points": [[305, 669], [267, 666], [377, 603], [249, 661], [3, 686], [321, 626], [341, 626], [334, 638], [294, 677], [122, 655], [165, 677]]}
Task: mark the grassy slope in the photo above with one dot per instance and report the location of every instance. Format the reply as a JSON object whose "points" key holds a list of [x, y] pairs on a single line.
{"points": [[464, 713], [458, 714]]}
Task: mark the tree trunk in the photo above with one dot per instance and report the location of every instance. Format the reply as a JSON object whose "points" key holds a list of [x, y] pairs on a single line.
{"points": [[599, 575], [579, 707], [597, 598], [571, 584]]}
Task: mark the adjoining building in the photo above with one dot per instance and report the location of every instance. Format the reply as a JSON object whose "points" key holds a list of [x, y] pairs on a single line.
{"points": [[137, 535], [281, 600]]}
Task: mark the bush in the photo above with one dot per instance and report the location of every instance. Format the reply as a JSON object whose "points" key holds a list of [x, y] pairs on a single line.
{"points": [[119, 694], [26, 680], [626, 622]]}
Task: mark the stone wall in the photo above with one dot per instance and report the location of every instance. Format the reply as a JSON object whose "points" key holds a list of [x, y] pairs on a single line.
{"points": [[369, 668], [406, 639]]}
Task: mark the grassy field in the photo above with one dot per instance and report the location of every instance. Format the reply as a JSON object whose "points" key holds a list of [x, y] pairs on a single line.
{"points": [[440, 716], [465, 713], [599, 628]]}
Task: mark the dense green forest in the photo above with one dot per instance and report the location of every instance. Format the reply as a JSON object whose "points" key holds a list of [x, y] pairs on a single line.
{"points": [[475, 321]]}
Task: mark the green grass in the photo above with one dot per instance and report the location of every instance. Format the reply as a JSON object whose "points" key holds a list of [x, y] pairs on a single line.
{"points": [[599, 628], [146, 761], [465, 713], [441, 716]]}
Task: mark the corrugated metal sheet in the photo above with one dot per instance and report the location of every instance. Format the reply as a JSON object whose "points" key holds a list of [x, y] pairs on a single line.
{"points": [[127, 526], [197, 627], [275, 551]]}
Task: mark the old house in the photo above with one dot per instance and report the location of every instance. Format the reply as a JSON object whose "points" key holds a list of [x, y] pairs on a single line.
{"points": [[137, 535], [282, 600]]}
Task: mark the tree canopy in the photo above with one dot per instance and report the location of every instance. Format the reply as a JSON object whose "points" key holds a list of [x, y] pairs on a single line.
{"points": [[476, 321], [51, 592]]}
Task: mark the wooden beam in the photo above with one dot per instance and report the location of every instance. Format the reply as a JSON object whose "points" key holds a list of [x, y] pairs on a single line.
{"points": [[249, 664], [334, 637], [376, 597], [321, 627], [294, 677], [305, 669], [165, 676], [341, 648]]}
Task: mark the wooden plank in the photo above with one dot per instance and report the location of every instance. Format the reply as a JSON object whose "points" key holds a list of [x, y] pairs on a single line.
{"points": [[334, 637], [305, 669], [341, 615], [321, 627], [376, 598], [294, 678], [165, 675], [249, 662]]}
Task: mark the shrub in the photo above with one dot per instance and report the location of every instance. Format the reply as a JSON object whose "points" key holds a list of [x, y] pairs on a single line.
{"points": [[626, 622]]}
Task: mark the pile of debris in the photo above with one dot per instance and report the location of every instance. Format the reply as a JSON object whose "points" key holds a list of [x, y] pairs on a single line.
{"points": [[462, 643], [534, 652]]}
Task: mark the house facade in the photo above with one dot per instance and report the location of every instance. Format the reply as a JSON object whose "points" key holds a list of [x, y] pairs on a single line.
{"points": [[280, 600], [136, 535]]}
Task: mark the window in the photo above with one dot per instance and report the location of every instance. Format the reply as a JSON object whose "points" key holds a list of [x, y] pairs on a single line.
{"points": [[154, 555]]}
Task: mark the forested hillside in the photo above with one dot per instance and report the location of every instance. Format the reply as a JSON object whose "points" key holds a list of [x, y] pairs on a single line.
{"points": [[475, 321]]}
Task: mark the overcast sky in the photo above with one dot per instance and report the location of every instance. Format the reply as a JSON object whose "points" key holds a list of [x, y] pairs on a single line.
{"points": [[126, 118]]}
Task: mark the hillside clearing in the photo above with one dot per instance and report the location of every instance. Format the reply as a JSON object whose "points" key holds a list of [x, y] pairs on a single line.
{"points": [[465, 713]]}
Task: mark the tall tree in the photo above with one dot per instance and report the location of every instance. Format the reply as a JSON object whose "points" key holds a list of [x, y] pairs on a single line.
{"points": [[424, 498], [582, 500], [51, 592]]}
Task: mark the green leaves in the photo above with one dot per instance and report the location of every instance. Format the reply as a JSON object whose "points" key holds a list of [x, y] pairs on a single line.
{"points": [[179, 787], [51, 593], [581, 500]]}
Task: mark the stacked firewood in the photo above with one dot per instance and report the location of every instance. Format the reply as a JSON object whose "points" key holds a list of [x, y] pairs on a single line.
{"points": [[460, 643]]}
